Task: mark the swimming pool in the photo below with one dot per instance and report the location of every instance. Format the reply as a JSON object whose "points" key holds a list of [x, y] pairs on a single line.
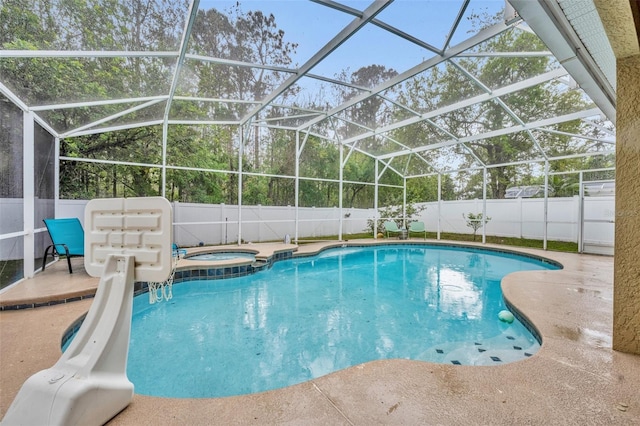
{"points": [[307, 317]]}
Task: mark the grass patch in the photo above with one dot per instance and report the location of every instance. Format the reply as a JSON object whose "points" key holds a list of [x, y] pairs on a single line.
{"points": [[360, 236], [13, 270], [10, 272], [507, 241], [510, 241]]}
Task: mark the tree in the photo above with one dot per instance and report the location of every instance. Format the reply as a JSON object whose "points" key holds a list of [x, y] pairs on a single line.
{"points": [[448, 84], [475, 222], [359, 168], [373, 111], [203, 155], [424, 189], [360, 118], [250, 37], [142, 25], [95, 25]]}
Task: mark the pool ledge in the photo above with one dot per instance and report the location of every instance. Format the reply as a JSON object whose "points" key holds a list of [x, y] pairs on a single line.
{"points": [[56, 286], [265, 256]]}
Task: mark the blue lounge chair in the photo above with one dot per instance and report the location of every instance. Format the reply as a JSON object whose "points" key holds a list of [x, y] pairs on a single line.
{"points": [[418, 227], [390, 227], [67, 236], [177, 251]]}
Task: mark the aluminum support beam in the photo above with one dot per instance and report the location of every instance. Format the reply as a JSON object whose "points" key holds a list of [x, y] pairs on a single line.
{"points": [[299, 148], [184, 42], [75, 132], [340, 189], [546, 204], [376, 214], [484, 205], [439, 204], [56, 178], [28, 193], [506, 131], [86, 54], [404, 203], [244, 135], [165, 137], [51, 107], [581, 214]]}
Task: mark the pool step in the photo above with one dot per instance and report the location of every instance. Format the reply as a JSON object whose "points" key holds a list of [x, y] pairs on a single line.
{"points": [[504, 348], [259, 264]]}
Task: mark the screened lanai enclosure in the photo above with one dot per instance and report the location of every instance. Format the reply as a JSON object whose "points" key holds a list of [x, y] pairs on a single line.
{"points": [[309, 119]]}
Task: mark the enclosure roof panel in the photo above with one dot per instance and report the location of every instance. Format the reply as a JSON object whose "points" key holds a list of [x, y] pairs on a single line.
{"points": [[428, 81]]}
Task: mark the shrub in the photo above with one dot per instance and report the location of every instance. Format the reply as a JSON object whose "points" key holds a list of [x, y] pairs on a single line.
{"points": [[475, 222]]}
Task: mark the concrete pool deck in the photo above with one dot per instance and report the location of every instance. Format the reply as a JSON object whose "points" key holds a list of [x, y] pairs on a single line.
{"points": [[575, 378]]}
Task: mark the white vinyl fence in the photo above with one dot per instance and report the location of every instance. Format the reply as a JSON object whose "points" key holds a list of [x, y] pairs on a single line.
{"points": [[212, 224], [524, 218], [519, 217]]}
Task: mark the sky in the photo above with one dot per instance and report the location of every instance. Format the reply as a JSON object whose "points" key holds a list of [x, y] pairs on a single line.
{"points": [[312, 25]]}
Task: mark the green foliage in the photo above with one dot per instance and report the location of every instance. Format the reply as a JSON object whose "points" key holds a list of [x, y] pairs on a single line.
{"points": [[564, 186], [447, 84], [425, 189], [475, 221], [371, 111], [157, 26], [202, 162], [360, 168], [511, 241]]}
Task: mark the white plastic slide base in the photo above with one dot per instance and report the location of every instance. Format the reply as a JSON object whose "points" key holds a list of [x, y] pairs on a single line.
{"points": [[88, 385]]}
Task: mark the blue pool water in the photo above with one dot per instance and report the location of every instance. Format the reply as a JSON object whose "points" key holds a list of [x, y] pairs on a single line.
{"points": [[223, 256], [308, 317]]}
